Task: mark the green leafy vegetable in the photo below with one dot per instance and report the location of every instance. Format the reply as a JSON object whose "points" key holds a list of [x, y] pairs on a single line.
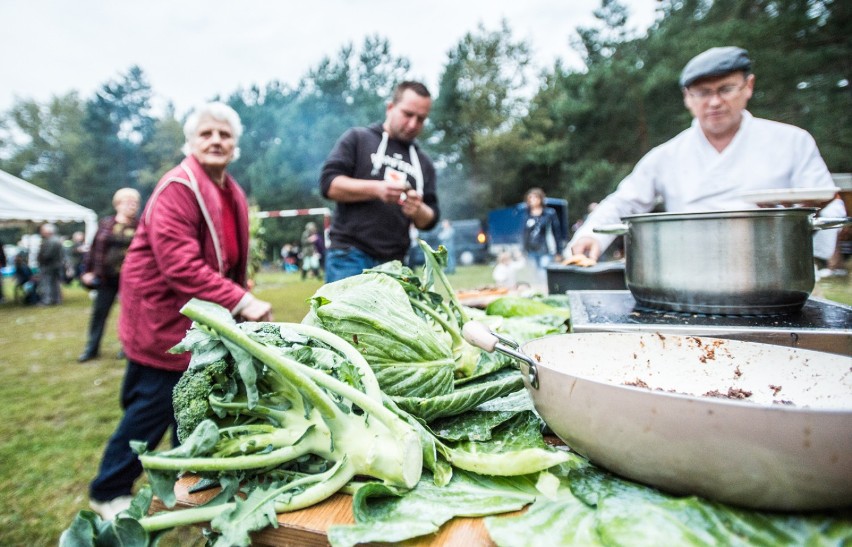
{"points": [[289, 401], [381, 513], [373, 313], [381, 311], [518, 306], [593, 507], [461, 400]]}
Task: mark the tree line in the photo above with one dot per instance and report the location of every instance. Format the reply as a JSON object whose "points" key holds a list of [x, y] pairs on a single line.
{"points": [[576, 134]]}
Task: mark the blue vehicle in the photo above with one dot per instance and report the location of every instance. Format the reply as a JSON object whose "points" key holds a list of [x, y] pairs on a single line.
{"points": [[506, 225], [471, 246]]}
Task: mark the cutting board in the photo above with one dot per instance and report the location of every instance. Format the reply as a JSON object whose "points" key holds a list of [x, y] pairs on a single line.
{"points": [[309, 527]]}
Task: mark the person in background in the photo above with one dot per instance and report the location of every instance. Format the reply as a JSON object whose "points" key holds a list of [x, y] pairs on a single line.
{"points": [[26, 284], [284, 253], [447, 238], [51, 266], [102, 265], [724, 153], [541, 232], [79, 250], [192, 241], [310, 256], [319, 246], [3, 264], [383, 185], [293, 264]]}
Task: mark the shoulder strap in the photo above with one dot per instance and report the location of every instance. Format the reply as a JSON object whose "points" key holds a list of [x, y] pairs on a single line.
{"points": [[192, 183]]}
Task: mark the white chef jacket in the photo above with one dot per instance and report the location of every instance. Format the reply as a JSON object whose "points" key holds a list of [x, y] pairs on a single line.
{"points": [[687, 174]]}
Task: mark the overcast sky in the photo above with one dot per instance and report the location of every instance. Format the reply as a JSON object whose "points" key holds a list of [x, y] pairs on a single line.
{"points": [[191, 50]]}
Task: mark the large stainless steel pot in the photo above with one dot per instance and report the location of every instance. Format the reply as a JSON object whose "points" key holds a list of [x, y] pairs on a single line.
{"points": [[640, 405], [732, 262]]}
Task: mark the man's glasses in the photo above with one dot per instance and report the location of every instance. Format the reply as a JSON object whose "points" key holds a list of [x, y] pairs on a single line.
{"points": [[725, 92]]}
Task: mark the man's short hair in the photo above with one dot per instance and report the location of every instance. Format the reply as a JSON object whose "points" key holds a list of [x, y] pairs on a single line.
{"points": [[717, 61], [416, 87]]}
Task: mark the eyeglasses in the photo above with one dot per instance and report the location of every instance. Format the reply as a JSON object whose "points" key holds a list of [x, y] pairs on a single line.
{"points": [[725, 92]]}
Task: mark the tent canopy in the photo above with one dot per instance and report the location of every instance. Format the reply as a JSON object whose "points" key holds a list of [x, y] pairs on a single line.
{"points": [[21, 201]]}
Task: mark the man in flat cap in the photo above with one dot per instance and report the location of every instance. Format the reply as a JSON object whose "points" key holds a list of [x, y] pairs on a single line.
{"points": [[725, 153]]}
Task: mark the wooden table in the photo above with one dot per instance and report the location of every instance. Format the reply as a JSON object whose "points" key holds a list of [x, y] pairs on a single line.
{"points": [[309, 527]]}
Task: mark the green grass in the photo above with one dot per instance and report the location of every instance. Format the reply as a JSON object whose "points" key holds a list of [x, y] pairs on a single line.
{"points": [[58, 414], [837, 289]]}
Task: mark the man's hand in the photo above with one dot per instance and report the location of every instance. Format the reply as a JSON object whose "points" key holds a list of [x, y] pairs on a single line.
{"points": [[410, 203], [349, 190], [392, 192], [588, 246], [257, 310], [415, 208]]}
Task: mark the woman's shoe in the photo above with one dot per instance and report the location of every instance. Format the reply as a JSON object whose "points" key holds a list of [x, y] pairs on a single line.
{"points": [[108, 510], [87, 356]]}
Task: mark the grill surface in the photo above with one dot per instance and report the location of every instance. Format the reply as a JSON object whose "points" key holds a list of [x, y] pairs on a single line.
{"points": [[820, 325]]}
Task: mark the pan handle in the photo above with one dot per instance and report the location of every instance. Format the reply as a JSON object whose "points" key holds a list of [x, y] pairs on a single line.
{"points": [[485, 339], [613, 229], [825, 223]]}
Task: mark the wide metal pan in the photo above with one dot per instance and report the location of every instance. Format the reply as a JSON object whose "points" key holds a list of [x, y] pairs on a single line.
{"points": [[663, 410]]}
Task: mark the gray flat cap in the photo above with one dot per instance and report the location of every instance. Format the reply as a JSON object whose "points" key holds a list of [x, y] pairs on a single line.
{"points": [[716, 61]]}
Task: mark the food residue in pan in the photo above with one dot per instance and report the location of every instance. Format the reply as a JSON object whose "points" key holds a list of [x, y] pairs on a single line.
{"points": [[709, 349], [733, 393]]}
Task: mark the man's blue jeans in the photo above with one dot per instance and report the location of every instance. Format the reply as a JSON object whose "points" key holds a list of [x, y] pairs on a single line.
{"points": [[342, 263]]}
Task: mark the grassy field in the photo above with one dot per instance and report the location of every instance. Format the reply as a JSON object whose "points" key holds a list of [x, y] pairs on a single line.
{"points": [[57, 414]]}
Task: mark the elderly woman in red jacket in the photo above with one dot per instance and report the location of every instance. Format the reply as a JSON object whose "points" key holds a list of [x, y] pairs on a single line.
{"points": [[192, 242]]}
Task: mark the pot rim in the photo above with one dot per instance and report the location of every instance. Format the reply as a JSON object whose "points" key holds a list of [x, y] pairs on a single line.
{"points": [[713, 215]]}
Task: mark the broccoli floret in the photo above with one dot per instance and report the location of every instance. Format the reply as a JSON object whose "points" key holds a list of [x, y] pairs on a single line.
{"points": [[191, 395]]}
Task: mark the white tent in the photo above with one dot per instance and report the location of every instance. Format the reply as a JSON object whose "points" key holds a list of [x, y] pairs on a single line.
{"points": [[22, 202]]}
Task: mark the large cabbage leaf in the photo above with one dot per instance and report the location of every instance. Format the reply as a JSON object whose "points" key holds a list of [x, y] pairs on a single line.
{"points": [[373, 313], [593, 507], [382, 515], [480, 423], [463, 398]]}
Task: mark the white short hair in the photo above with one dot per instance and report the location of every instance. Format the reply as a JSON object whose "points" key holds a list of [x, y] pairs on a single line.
{"points": [[124, 193], [218, 111]]}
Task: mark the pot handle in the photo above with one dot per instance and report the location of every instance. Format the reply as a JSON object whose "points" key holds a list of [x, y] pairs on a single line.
{"points": [[485, 339], [612, 229], [821, 223]]}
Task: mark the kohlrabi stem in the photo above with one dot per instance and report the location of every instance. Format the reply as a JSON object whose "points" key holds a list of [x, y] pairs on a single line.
{"points": [[319, 487], [229, 463], [429, 255], [183, 517], [451, 328]]}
